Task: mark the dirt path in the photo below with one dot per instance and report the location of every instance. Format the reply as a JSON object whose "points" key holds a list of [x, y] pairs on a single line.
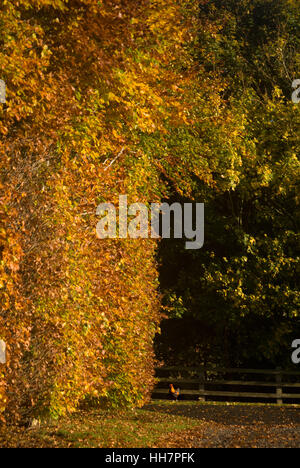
{"points": [[227, 426], [218, 436]]}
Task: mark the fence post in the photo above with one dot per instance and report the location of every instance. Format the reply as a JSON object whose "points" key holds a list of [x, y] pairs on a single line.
{"points": [[278, 387], [201, 384]]}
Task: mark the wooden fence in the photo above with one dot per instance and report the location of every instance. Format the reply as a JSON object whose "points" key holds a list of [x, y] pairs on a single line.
{"points": [[230, 384]]}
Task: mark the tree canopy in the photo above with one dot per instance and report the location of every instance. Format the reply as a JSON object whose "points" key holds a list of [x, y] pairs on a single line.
{"points": [[160, 100]]}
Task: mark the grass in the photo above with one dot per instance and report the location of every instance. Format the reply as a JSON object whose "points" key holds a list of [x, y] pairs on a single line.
{"points": [[167, 424], [101, 428]]}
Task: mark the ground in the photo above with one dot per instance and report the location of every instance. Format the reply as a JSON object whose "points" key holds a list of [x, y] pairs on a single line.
{"points": [[167, 425]]}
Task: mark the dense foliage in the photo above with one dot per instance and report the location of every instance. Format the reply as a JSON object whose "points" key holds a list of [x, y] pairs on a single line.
{"points": [[239, 296], [85, 81], [156, 99]]}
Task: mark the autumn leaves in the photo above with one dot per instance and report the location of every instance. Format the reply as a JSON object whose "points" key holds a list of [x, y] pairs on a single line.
{"points": [[85, 80]]}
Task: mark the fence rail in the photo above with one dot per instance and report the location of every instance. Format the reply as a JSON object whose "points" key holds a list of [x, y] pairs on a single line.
{"points": [[200, 382]]}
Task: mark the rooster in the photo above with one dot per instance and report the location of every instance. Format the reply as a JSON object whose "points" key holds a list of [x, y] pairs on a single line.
{"points": [[174, 394]]}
